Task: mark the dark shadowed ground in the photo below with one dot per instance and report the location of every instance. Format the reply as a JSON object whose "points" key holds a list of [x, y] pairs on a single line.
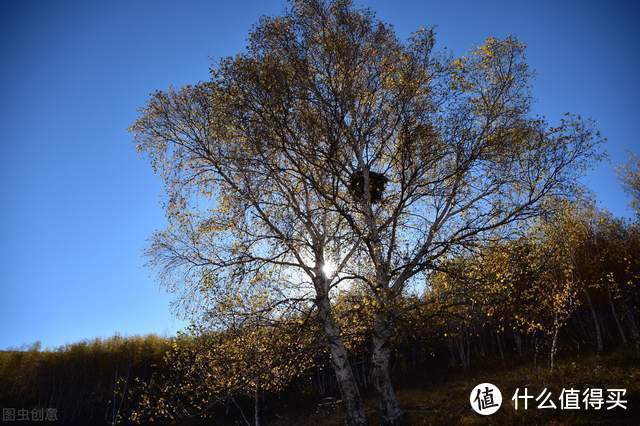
{"points": [[447, 402]]}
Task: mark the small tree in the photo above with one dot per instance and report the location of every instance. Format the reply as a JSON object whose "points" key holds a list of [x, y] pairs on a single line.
{"points": [[530, 283], [204, 371]]}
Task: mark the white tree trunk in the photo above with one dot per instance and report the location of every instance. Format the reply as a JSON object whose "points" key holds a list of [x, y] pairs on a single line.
{"points": [[344, 373], [382, 334], [554, 343], [614, 312], [596, 323], [256, 406]]}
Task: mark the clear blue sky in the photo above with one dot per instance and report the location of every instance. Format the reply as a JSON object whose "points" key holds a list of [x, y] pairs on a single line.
{"points": [[78, 203]]}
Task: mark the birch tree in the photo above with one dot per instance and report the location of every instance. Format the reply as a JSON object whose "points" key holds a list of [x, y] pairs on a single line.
{"points": [[332, 142], [431, 155], [244, 225]]}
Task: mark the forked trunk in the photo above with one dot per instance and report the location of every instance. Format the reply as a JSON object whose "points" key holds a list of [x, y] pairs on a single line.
{"points": [[344, 374], [382, 333]]}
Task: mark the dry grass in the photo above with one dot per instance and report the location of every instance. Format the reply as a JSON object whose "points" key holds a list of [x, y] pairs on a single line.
{"points": [[448, 402]]}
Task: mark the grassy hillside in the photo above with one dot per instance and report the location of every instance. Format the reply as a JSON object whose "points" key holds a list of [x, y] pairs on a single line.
{"points": [[88, 383], [447, 401]]}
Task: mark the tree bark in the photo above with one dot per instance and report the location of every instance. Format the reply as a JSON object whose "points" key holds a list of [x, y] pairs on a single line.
{"points": [[499, 343], [344, 373], [256, 407], [634, 329], [614, 312], [518, 340], [554, 343], [382, 334], [596, 323]]}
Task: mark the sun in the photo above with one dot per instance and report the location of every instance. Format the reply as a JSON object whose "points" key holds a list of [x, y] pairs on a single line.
{"points": [[328, 269]]}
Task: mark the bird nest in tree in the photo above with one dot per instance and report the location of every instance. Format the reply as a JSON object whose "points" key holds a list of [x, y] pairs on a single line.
{"points": [[377, 182]]}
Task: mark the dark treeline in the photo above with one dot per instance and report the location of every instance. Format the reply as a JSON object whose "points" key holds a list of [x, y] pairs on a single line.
{"points": [[79, 380], [569, 285]]}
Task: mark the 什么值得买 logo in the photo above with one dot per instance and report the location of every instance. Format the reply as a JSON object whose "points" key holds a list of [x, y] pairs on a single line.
{"points": [[485, 399]]}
